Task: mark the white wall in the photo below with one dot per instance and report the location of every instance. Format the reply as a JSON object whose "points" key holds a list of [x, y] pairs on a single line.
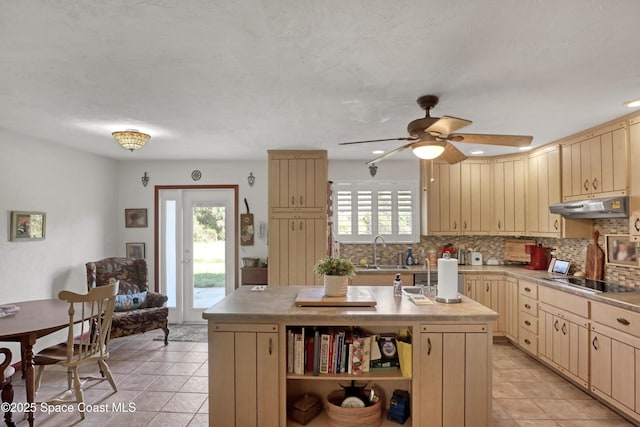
{"points": [[134, 195], [77, 191], [388, 170]]}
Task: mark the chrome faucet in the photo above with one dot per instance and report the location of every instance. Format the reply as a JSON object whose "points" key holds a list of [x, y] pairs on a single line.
{"points": [[375, 248]]}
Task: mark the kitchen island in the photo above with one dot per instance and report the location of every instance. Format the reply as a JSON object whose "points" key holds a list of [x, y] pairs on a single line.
{"points": [[250, 385]]}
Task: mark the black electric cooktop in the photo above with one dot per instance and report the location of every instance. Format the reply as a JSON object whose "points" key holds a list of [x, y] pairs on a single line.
{"points": [[599, 286]]}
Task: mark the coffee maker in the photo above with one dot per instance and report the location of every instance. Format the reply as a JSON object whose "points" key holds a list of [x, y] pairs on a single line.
{"points": [[540, 257]]}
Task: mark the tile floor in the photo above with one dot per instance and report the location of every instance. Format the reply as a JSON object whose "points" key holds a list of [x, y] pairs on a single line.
{"points": [[168, 386]]}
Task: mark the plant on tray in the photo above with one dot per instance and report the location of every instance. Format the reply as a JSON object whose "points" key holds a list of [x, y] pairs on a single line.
{"points": [[336, 273]]}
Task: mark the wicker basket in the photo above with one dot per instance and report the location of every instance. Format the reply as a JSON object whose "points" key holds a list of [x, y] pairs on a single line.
{"points": [[369, 416]]}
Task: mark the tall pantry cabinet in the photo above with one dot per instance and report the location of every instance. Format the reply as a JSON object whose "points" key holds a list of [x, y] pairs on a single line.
{"points": [[297, 215], [634, 184]]}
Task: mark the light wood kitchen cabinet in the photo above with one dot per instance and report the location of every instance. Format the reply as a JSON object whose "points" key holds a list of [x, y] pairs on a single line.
{"points": [[443, 194], [244, 363], [296, 243], [512, 309], [634, 184], [564, 333], [454, 388], [459, 197], [298, 180], [528, 304], [509, 195], [476, 211], [615, 357], [595, 163], [297, 215], [543, 189], [490, 291]]}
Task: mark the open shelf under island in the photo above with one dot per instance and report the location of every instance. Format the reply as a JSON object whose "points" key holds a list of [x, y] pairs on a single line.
{"points": [[249, 381]]}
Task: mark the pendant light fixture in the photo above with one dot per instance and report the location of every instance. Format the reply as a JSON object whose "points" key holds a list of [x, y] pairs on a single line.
{"points": [[131, 139]]}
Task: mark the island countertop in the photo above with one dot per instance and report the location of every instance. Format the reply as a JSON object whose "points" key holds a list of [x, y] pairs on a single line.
{"points": [[276, 304]]}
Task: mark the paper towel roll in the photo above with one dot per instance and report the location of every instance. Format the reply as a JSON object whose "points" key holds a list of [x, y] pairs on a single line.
{"points": [[447, 278]]}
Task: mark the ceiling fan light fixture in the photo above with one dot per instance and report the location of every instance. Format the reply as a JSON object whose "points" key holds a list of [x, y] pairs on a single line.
{"points": [[131, 139], [428, 150], [631, 104]]}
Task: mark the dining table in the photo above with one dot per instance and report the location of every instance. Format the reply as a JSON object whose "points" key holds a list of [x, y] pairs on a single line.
{"points": [[33, 320]]}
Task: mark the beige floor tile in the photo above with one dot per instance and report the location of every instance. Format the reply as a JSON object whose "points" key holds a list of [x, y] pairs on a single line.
{"points": [[153, 367], [497, 422], [560, 409], [507, 390], [594, 423], [196, 385], [135, 419], [204, 408], [152, 400], [182, 368], [168, 383], [184, 402], [537, 423], [595, 409], [137, 381], [566, 390], [203, 370], [200, 420], [522, 409], [538, 390], [175, 419]]}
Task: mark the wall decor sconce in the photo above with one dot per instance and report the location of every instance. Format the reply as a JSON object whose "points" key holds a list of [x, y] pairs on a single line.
{"points": [[145, 179], [373, 169], [251, 179]]}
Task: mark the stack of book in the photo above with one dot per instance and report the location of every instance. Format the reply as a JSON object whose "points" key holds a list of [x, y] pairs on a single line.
{"points": [[334, 350]]}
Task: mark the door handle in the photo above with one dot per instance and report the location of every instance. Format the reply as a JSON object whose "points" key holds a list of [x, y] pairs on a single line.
{"points": [[564, 329], [594, 343], [594, 183], [623, 321], [555, 326], [186, 261], [428, 346], [586, 185], [555, 224], [270, 346]]}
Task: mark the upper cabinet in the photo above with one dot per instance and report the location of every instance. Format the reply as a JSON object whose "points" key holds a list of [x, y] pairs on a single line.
{"points": [[594, 164], [298, 180], [634, 193], [509, 182], [459, 197], [543, 189]]}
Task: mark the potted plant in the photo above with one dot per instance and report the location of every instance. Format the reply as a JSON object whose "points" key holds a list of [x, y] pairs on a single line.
{"points": [[336, 273]]}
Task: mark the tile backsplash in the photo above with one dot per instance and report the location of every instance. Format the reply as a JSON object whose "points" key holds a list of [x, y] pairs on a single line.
{"points": [[493, 247]]}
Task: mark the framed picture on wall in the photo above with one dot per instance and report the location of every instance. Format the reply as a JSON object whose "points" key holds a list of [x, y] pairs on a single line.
{"points": [[135, 217], [27, 226], [621, 250], [135, 250]]}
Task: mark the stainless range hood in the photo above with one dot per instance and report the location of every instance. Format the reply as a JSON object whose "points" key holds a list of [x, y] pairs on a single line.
{"points": [[610, 207]]}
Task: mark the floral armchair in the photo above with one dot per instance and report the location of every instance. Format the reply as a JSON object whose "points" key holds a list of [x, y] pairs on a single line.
{"points": [[137, 309]]}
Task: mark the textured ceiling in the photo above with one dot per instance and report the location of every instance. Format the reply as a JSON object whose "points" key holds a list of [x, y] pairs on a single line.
{"points": [[231, 79]]}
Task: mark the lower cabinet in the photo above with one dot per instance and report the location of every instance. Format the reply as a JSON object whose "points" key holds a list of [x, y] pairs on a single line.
{"points": [[528, 316], [564, 343], [490, 291], [512, 309], [615, 358], [243, 372], [454, 384]]}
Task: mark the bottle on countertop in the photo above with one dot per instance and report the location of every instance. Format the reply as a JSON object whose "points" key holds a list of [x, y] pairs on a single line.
{"points": [[397, 286], [410, 260]]}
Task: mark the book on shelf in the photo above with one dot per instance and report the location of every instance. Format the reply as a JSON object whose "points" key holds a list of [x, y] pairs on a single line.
{"points": [[298, 353], [316, 352], [290, 344], [324, 353]]}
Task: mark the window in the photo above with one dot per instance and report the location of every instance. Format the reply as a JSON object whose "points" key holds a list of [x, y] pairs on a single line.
{"points": [[366, 209]]}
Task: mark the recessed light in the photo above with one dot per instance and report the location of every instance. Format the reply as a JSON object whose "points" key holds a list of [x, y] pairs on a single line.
{"points": [[634, 103], [477, 152], [525, 148], [378, 152]]}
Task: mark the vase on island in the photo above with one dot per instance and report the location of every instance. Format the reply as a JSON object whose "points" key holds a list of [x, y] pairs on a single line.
{"points": [[335, 286]]}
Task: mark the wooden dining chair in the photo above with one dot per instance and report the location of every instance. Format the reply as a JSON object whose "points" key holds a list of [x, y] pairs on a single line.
{"points": [[6, 372], [91, 314]]}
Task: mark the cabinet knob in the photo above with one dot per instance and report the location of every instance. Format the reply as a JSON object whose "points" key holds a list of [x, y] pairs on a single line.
{"points": [[499, 225], [637, 224], [594, 183], [555, 326], [527, 289], [594, 343], [527, 306], [455, 225], [526, 322], [293, 200], [526, 341], [300, 225], [555, 224], [301, 201], [586, 185], [270, 346], [293, 227], [623, 321], [428, 346], [564, 329], [465, 225]]}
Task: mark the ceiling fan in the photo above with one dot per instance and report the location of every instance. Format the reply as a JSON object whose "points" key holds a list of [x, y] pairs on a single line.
{"points": [[431, 137]]}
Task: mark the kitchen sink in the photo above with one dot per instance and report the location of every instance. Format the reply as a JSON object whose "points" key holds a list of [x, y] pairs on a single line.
{"points": [[386, 267], [415, 290]]}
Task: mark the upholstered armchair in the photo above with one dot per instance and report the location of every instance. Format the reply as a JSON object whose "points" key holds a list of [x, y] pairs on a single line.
{"points": [[137, 308]]}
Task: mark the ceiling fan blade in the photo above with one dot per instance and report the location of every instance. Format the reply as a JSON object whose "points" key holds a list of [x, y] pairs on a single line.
{"points": [[389, 154], [451, 154], [446, 125], [505, 140], [405, 138]]}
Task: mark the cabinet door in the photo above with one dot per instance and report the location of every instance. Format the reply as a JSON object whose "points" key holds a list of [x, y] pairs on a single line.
{"points": [[444, 199], [454, 383], [245, 368], [512, 308], [561, 342], [622, 374], [634, 184], [600, 362], [544, 189], [475, 197], [298, 180], [579, 351]]}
